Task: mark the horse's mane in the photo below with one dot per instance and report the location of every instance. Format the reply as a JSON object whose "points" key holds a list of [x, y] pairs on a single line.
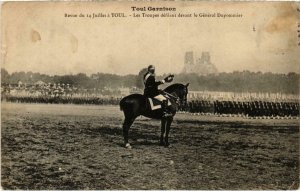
{"points": [[173, 87]]}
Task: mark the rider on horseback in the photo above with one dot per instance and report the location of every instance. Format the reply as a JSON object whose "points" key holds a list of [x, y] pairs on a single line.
{"points": [[151, 89]]}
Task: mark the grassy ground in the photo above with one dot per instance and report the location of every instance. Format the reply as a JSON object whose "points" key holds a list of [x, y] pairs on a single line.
{"points": [[80, 147]]}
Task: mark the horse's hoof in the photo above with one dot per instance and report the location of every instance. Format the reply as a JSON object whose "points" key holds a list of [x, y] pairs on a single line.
{"points": [[167, 145], [128, 146]]}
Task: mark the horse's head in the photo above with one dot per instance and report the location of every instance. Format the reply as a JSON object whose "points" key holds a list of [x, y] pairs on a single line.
{"points": [[183, 97], [180, 90]]}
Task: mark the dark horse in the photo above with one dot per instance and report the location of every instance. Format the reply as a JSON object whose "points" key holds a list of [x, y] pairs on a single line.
{"points": [[135, 105]]}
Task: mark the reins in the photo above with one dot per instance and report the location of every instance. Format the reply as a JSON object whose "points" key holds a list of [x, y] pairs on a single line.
{"points": [[172, 96]]}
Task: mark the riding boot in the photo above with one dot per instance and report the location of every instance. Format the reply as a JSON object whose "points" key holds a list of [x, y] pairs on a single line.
{"points": [[165, 110]]}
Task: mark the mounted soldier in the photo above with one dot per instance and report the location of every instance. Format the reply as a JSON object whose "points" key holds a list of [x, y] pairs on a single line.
{"points": [[151, 89]]}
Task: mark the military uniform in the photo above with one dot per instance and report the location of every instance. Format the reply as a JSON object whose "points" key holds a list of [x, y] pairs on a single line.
{"points": [[151, 86], [151, 89]]}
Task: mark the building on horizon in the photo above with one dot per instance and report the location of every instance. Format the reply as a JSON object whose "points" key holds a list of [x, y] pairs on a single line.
{"points": [[200, 66]]}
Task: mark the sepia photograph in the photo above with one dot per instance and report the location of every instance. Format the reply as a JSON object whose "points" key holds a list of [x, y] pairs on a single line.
{"points": [[158, 95]]}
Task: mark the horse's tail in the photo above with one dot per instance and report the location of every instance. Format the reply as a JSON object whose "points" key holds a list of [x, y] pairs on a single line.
{"points": [[122, 103]]}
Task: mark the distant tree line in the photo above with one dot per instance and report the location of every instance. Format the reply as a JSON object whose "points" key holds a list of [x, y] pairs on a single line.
{"points": [[245, 81]]}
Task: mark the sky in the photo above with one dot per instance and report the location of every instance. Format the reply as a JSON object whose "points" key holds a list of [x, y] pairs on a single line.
{"points": [[37, 37]]}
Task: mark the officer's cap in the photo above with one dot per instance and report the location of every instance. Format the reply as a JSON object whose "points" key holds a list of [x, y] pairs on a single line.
{"points": [[151, 67]]}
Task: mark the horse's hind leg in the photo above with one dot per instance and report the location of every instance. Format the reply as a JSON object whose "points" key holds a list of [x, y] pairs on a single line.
{"points": [[168, 127], [126, 126]]}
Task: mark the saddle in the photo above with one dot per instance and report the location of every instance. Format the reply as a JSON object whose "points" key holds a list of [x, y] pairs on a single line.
{"points": [[155, 102]]}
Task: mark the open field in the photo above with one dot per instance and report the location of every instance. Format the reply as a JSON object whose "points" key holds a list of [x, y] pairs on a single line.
{"points": [[80, 147]]}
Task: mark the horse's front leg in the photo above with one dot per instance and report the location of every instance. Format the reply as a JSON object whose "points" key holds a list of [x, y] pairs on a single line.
{"points": [[163, 132], [168, 127]]}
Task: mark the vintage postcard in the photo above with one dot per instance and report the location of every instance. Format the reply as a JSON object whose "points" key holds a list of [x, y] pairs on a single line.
{"points": [[175, 95]]}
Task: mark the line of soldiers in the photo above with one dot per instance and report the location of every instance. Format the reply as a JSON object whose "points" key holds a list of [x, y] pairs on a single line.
{"points": [[246, 108], [62, 100]]}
